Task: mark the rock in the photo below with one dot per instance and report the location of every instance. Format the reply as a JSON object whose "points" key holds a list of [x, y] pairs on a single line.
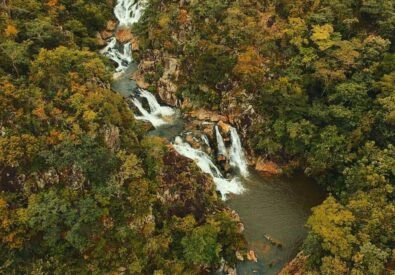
{"points": [[207, 115], [221, 158], [111, 25], [105, 34], [99, 40], [224, 127], [167, 89], [111, 137], [124, 35], [167, 92], [239, 257], [251, 256], [240, 227], [268, 167], [138, 77]]}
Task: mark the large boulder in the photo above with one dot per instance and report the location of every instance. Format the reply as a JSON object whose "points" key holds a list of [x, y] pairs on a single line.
{"points": [[124, 35]]}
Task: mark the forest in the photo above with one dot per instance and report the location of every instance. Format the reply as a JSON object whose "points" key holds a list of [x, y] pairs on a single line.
{"points": [[320, 76], [84, 190]]}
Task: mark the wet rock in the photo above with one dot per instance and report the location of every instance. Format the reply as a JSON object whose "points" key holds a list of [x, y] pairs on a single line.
{"points": [[224, 127], [124, 35], [239, 257], [268, 167], [251, 256]]}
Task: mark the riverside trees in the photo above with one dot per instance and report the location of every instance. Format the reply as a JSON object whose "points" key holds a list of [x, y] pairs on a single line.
{"points": [[320, 76]]}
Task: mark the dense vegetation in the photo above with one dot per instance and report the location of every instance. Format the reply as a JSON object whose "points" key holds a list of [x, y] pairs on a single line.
{"points": [[320, 76], [82, 191]]}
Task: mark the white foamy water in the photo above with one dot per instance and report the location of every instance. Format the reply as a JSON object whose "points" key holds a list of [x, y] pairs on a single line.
{"points": [[129, 12], [205, 140], [156, 114], [204, 162], [122, 56], [237, 156], [220, 142]]}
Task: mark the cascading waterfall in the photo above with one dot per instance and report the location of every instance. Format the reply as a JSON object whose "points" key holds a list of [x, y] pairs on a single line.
{"points": [[156, 113], [205, 140], [129, 12], [237, 157], [122, 56], [205, 163], [221, 144]]}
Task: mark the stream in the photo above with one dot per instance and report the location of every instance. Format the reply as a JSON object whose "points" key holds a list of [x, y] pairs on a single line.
{"points": [[272, 209]]}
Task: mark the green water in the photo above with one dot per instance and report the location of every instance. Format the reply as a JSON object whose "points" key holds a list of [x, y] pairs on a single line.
{"points": [[279, 208]]}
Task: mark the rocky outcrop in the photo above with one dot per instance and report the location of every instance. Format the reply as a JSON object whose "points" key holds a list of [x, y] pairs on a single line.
{"points": [[267, 167], [167, 88], [206, 115], [139, 75], [112, 137], [124, 35]]}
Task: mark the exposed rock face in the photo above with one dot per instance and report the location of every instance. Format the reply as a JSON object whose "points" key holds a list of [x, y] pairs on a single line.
{"points": [[138, 76], [224, 127], [111, 137], [167, 89], [268, 167], [206, 115]]}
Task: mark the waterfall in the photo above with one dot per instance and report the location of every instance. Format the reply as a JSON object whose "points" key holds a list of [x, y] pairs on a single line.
{"points": [[121, 57], [220, 141], [155, 107], [204, 162], [156, 113], [237, 157], [205, 140], [129, 12]]}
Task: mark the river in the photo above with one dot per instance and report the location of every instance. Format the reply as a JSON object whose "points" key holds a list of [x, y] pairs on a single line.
{"points": [[272, 209]]}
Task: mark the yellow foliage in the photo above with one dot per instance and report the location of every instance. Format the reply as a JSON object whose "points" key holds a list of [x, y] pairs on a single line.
{"points": [[249, 63], [164, 21], [10, 30], [322, 36]]}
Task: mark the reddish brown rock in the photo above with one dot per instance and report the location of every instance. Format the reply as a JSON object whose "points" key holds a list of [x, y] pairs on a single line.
{"points": [[251, 256], [268, 167], [224, 127], [124, 35], [207, 115]]}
